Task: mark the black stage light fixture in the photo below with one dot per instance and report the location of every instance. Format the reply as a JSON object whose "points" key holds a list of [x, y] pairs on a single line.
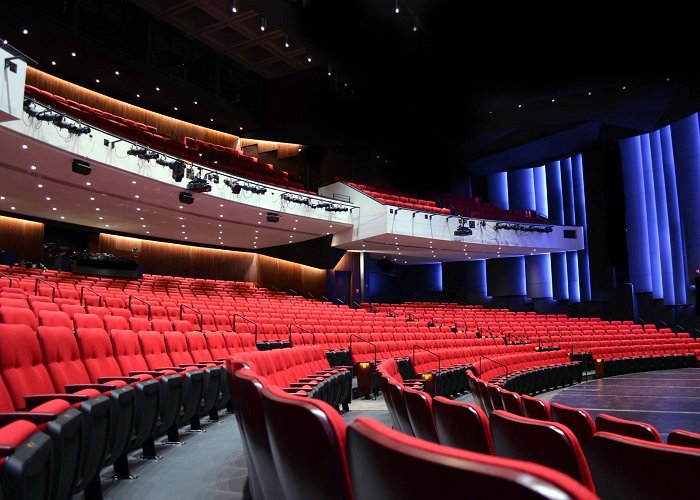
{"points": [[198, 185], [463, 231], [273, 217], [186, 198], [236, 188], [81, 167], [137, 151]]}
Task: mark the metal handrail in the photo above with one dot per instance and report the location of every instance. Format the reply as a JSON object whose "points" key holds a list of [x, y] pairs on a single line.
{"points": [[482, 357], [294, 292], [413, 357], [148, 306], [48, 283], [196, 311], [340, 300], [363, 340], [233, 325], [313, 335], [82, 295]]}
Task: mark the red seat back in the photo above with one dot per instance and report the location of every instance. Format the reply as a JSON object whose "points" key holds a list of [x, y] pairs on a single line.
{"points": [[462, 425]]}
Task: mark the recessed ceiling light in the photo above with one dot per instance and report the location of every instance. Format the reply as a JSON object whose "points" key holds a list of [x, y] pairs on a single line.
{"points": [[25, 31], [258, 222], [33, 167], [221, 205], [54, 209], [180, 206], [211, 119], [2, 197], [136, 196], [133, 182], [140, 218], [24, 146], [97, 80], [221, 232], [148, 232], [48, 198], [97, 209], [185, 237], [221, 215], [259, 213], [62, 217], [157, 89], [256, 230], [183, 232], [183, 225], [12, 208], [143, 225], [40, 186], [295, 220], [294, 229], [520, 105], [100, 218], [53, 63], [174, 108], [116, 72], [88, 183], [92, 198], [73, 54], [196, 102], [138, 209], [106, 225], [138, 95], [554, 100]]}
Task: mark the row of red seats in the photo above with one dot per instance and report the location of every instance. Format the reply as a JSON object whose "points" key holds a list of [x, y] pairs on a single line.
{"points": [[604, 468], [569, 439], [398, 465], [302, 371], [402, 200], [222, 158]]}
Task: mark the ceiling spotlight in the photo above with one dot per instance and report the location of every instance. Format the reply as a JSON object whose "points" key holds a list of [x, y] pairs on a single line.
{"points": [[330, 72], [396, 9], [286, 41], [308, 56], [25, 31], [263, 24], [234, 6]]}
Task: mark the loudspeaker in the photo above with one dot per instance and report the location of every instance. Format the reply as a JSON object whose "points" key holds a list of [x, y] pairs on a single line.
{"points": [[81, 167], [186, 198]]}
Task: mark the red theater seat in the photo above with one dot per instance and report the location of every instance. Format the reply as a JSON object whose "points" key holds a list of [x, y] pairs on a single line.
{"points": [[624, 467], [419, 406], [25, 461], [547, 443], [462, 425], [536, 408], [384, 463], [629, 428], [684, 438], [18, 316], [297, 455], [577, 420]]}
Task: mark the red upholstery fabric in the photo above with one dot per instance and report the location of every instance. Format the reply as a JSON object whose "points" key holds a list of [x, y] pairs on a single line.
{"points": [[419, 406], [629, 428], [625, 467], [577, 420], [462, 425], [399, 465], [62, 357], [684, 438], [546, 443]]}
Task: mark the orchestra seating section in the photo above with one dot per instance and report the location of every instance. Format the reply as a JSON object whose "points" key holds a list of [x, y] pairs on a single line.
{"points": [[216, 156], [122, 362]]}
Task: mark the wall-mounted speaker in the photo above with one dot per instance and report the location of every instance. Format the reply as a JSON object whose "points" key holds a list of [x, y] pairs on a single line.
{"points": [[81, 167], [186, 198]]}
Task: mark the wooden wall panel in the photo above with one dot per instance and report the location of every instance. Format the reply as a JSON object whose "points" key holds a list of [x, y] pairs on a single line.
{"points": [[172, 259], [166, 125], [23, 237]]}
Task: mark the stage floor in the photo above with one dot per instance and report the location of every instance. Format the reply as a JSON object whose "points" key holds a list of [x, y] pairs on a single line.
{"points": [[668, 399]]}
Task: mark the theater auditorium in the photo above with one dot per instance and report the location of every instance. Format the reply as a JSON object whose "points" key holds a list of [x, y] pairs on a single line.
{"points": [[379, 249]]}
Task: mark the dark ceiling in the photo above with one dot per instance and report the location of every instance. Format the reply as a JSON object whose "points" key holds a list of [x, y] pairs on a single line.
{"points": [[469, 84]]}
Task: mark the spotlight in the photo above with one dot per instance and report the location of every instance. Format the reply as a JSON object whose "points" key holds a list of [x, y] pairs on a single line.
{"points": [[212, 177], [263, 24], [286, 41], [234, 6], [273, 217], [186, 198], [49, 116], [198, 185], [81, 167], [136, 151], [29, 108], [463, 231]]}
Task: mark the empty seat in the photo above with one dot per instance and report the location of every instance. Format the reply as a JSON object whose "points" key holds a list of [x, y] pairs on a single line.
{"points": [[536, 408], [384, 463], [577, 420], [320, 470], [629, 428], [55, 318], [399, 403], [462, 425], [684, 438], [546, 443], [246, 397], [25, 461], [420, 414], [624, 467]]}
